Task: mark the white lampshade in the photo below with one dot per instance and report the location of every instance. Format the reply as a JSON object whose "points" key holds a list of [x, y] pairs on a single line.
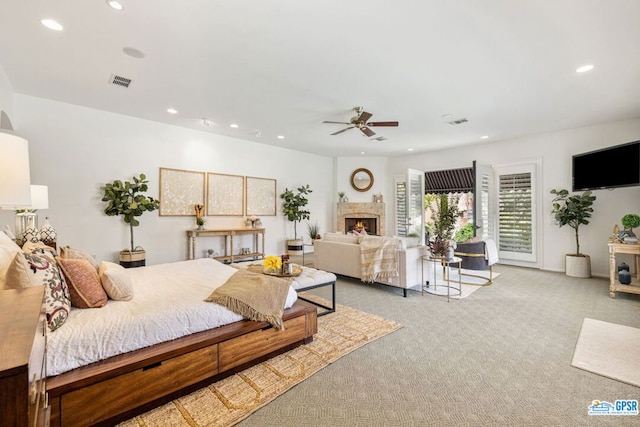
{"points": [[15, 178], [39, 197]]}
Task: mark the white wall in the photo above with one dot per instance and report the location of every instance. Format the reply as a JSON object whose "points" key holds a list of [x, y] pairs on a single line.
{"points": [[75, 150], [6, 96], [555, 151]]}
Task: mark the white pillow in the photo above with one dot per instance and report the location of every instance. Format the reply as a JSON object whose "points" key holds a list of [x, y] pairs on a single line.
{"points": [[8, 251], [115, 281]]}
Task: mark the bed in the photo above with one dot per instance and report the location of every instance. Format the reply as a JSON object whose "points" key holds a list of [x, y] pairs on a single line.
{"points": [[105, 365]]}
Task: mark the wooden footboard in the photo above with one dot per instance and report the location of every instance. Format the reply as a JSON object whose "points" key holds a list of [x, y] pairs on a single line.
{"points": [[122, 386]]}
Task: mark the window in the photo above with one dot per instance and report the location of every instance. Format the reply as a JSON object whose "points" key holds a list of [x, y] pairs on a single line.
{"points": [[517, 212]]}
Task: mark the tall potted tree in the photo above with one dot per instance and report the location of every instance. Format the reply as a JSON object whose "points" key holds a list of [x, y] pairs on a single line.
{"points": [[574, 210], [293, 208], [125, 198]]}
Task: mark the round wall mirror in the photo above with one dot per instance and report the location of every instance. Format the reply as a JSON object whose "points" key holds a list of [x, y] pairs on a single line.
{"points": [[362, 179]]}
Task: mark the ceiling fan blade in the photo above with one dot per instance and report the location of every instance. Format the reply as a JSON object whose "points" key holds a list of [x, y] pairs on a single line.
{"points": [[343, 130], [382, 124], [340, 123], [367, 131], [364, 117]]}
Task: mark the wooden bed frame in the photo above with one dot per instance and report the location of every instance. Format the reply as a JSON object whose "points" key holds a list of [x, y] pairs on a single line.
{"points": [[123, 386]]}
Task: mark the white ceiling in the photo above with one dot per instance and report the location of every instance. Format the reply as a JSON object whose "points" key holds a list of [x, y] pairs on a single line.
{"points": [[281, 67]]}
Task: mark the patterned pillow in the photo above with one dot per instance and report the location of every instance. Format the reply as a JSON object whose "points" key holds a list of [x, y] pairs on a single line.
{"points": [[28, 270], [39, 248], [84, 284]]}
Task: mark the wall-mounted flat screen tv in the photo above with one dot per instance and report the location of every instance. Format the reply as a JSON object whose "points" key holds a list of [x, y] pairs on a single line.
{"points": [[611, 167]]}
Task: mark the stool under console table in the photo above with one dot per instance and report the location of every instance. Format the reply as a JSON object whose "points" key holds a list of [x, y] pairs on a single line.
{"points": [[229, 234], [614, 284]]}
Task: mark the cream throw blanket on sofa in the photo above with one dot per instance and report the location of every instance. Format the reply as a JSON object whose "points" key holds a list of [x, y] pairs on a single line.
{"points": [[379, 258]]}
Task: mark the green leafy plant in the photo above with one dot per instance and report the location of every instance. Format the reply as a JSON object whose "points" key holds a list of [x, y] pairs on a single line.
{"points": [[465, 233], [293, 206], [630, 221], [445, 216], [125, 198], [314, 230], [572, 210]]}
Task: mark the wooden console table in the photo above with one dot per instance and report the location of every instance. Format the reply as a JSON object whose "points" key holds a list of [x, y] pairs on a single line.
{"points": [[614, 284], [228, 234]]}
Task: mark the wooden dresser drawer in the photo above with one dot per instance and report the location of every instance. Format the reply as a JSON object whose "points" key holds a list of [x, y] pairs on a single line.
{"points": [[245, 348], [104, 399]]}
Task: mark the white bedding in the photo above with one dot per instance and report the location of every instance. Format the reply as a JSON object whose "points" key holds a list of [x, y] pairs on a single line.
{"points": [[168, 303]]}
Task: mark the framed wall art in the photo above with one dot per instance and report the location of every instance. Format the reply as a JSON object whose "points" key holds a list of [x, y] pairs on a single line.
{"points": [[225, 194], [180, 190], [261, 196]]}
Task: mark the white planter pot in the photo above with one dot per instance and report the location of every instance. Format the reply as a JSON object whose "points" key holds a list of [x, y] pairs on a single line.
{"points": [[294, 246], [578, 266]]}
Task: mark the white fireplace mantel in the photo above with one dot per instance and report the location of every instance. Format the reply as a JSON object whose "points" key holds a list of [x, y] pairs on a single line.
{"points": [[362, 210]]}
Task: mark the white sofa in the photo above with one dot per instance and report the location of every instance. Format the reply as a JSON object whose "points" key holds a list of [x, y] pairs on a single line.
{"points": [[340, 254]]}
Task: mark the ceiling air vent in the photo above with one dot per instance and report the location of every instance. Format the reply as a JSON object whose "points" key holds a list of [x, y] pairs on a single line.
{"points": [[457, 122], [380, 138], [119, 81]]}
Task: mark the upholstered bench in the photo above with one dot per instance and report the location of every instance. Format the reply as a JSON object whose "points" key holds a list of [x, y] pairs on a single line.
{"points": [[310, 278]]}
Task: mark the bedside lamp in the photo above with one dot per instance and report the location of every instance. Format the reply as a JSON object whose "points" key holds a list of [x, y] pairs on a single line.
{"points": [[14, 172], [26, 217]]}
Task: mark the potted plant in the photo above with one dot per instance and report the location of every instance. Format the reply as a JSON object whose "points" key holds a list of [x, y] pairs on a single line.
{"points": [[629, 222], [314, 231], [293, 208], [125, 198], [445, 217], [574, 211]]}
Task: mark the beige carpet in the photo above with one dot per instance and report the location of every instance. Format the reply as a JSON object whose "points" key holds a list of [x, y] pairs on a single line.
{"points": [[609, 350], [232, 399]]}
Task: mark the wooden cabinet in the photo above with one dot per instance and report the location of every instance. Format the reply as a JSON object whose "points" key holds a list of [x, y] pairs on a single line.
{"points": [[614, 284], [230, 254], [23, 399]]}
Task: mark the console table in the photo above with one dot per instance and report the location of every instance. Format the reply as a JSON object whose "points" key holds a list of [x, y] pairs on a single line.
{"points": [[228, 234], [614, 285]]}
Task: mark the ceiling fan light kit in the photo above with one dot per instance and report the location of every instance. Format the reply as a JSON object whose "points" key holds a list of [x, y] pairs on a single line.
{"points": [[360, 121]]}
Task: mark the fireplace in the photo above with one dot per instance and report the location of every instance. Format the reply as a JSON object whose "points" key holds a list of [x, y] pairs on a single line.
{"points": [[370, 225], [362, 211]]}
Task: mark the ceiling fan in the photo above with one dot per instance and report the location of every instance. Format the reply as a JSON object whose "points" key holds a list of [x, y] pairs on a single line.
{"points": [[360, 121]]}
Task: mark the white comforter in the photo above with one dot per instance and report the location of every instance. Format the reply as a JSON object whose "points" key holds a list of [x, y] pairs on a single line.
{"points": [[168, 303]]}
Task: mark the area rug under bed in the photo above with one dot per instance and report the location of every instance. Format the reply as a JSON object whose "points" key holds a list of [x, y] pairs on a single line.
{"points": [[232, 399]]}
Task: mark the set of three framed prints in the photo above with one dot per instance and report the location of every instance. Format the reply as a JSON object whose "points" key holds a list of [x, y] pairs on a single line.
{"points": [[222, 194]]}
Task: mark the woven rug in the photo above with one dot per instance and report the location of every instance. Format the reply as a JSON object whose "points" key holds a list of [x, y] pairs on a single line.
{"points": [[234, 398], [609, 350]]}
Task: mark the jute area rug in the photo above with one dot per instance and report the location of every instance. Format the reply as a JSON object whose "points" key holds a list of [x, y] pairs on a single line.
{"points": [[234, 398], [609, 350]]}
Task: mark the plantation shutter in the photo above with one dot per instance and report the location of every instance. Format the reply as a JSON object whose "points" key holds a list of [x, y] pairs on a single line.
{"points": [[401, 208], [516, 214]]}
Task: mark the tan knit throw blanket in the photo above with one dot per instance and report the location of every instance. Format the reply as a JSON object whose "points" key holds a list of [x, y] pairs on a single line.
{"points": [[379, 258], [255, 296]]}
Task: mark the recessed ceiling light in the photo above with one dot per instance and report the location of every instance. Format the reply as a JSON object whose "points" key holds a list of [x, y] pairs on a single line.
{"points": [[51, 24], [233, 125], [172, 111], [280, 136], [409, 149], [133, 52], [484, 137], [584, 68], [115, 4]]}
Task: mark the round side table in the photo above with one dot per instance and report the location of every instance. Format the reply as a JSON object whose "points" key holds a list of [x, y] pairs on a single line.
{"points": [[446, 276]]}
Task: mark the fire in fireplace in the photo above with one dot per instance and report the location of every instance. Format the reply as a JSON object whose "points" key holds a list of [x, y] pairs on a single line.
{"points": [[361, 224]]}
